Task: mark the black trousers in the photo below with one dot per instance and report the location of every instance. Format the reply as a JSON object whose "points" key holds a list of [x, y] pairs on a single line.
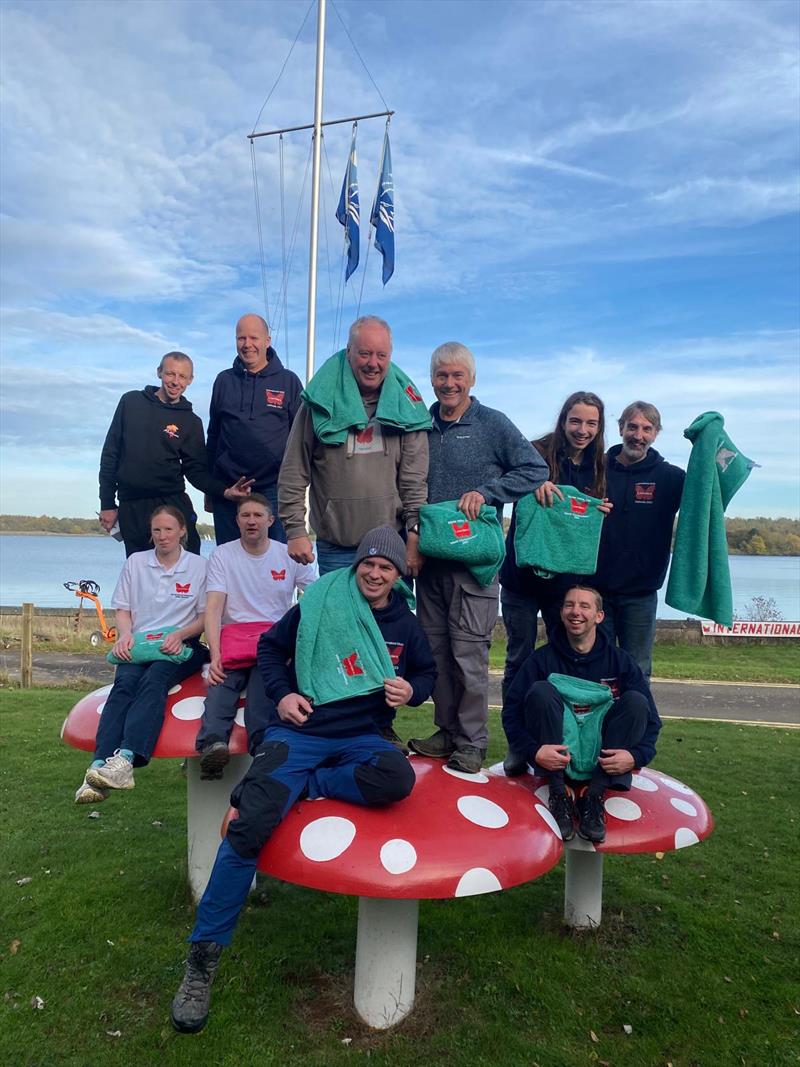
{"points": [[134, 521]]}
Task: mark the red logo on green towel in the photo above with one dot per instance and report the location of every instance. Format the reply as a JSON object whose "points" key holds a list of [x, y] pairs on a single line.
{"points": [[578, 507], [154, 637], [461, 529], [412, 394], [350, 664]]}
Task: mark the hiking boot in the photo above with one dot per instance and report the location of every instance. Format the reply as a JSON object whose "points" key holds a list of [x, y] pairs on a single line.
{"points": [[438, 745], [563, 811], [388, 734], [190, 1004], [213, 760], [116, 773], [468, 759], [591, 818], [90, 794], [514, 764]]}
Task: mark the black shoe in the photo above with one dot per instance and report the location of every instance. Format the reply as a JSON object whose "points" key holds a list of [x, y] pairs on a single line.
{"points": [[439, 745], [515, 764], [190, 1004], [388, 734], [591, 818], [563, 811], [467, 759], [213, 760]]}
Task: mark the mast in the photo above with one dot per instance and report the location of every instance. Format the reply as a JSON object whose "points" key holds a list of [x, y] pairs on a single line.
{"points": [[315, 173]]}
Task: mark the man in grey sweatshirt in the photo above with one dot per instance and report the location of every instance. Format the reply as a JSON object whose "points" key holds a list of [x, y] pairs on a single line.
{"points": [[477, 456]]}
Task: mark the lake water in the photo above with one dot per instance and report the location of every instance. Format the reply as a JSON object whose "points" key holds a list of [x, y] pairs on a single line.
{"points": [[33, 568]]}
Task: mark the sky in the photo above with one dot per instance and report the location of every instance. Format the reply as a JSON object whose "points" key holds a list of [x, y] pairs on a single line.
{"points": [[590, 195]]}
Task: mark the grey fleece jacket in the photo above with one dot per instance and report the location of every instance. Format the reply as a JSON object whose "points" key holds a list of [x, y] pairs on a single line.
{"points": [[485, 452]]}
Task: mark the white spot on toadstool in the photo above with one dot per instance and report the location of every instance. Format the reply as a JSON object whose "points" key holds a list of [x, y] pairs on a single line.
{"points": [[647, 785], [204, 671], [478, 779], [683, 806], [482, 812], [543, 793], [326, 838], [239, 720], [475, 881], [189, 708], [100, 707], [679, 787], [175, 689], [685, 837], [103, 692], [548, 818], [624, 809], [398, 856]]}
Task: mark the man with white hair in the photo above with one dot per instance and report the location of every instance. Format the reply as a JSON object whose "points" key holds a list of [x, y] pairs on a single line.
{"points": [[477, 456]]}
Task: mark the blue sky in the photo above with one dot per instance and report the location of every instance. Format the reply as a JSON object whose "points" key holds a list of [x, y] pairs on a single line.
{"points": [[590, 195]]}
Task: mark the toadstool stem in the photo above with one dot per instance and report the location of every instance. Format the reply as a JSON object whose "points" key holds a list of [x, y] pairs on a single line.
{"points": [[583, 887], [206, 806], [386, 960]]}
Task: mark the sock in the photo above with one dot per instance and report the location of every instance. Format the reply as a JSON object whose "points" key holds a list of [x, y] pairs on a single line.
{"points": [[98, 763], [126, 752]]}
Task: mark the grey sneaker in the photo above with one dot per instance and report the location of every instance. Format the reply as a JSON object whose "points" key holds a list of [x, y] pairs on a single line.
{"points": [[468, 759], [190, 1004], [213, 760], [116, 773], [388, 734], [438, 745], [89, 794]]}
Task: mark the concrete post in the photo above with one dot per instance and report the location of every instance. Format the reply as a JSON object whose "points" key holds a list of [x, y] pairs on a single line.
{"points": [[386, 960]]}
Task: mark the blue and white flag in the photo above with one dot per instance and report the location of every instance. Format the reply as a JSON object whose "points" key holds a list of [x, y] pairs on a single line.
{"points": [[348, 212], [382, 217]]}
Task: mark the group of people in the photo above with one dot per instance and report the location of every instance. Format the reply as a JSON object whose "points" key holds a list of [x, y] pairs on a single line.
{"points": [[360, 445]]}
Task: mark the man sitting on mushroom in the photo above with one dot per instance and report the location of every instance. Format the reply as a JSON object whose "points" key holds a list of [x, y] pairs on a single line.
{"points": [[581, 712], [324, 740]]}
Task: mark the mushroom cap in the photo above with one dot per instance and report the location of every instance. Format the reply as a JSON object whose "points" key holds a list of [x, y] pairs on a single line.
{"points": [[184, 709], [455, 835], [658, 814]]}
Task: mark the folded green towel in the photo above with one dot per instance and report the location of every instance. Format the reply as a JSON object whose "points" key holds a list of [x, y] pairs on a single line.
{"points": [[586, 705], [699, 578], [336, 406], [446, 533], [147, 648], [340, 652], [562, 539]]}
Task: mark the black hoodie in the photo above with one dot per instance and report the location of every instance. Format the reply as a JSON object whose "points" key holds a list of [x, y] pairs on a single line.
{"points": [[603, 663], [249, 421], [149, 448]]}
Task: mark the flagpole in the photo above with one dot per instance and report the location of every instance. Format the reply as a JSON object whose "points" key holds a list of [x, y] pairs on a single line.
{"points": [[315, 173]]}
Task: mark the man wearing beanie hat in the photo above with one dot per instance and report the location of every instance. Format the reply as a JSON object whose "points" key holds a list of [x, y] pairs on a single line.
{"points": [[315, 745]]}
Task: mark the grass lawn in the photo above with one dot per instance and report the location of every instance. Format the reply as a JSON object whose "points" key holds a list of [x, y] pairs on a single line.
{"points": [[778, 662], [697, 953]]}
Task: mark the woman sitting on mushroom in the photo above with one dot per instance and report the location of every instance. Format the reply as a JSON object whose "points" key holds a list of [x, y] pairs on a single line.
{"points": [[159, 601]]}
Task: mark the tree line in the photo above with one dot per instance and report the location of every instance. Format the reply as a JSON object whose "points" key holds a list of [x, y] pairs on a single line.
{"points": [[746, 537]]}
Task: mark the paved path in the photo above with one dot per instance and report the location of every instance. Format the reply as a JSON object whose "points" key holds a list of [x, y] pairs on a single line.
{"points": [[732, 701]]}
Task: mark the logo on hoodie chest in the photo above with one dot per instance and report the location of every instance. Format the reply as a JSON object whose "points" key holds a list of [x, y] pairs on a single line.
{"points": [[644, 492], [368, 440], [613, 685], [171, 430], [395, 650], [274, 397]]}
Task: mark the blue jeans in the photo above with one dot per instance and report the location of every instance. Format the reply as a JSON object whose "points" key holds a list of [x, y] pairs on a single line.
{"points": [[631, 622], [332, 557], [225, 528], [363, 769], [134, 711]]}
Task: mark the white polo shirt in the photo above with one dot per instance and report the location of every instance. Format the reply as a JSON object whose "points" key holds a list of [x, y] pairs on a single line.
{"points": [[258, 588], [156, 596]]}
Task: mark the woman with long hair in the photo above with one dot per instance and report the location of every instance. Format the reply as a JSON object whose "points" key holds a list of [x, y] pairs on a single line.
{"points": [[161, 591]]}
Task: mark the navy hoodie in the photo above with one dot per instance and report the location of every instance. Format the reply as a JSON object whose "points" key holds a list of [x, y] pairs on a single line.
{"points": [[408, 649], [637, 534], [603, 663], [249, 421]]}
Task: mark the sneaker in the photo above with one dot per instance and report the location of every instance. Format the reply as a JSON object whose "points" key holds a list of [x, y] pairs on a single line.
{"points": [[388, 734], [190, 1004], [90, 794], [468, 759], [438, 745], [213, 760], [591, 818], [563, 811], [116, 773], [515, 764]]}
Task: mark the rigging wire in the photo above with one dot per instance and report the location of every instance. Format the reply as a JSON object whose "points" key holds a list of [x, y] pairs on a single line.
{"points": [[363, 64], [293, 238], [283, 250], [283, 68], [324, 214], [260, 230]]}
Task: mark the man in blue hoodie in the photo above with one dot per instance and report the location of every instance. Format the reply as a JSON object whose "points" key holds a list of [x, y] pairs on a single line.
{"points": [[632, 563], [253, 405]]}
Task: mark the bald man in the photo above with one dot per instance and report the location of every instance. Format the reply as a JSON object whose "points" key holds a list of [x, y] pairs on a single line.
{"points": [[253, 405]]}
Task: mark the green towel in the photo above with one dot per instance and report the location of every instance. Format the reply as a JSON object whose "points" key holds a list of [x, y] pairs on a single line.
{"points": [[446, 533], [562, 539], [586, 705], [336, 406], [147, 648], [699, 578], [340, 651]]}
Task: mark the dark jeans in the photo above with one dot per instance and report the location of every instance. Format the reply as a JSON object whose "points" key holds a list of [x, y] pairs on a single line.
{"points": [[222, 702], [631, 621], [623, 727], [331, 557], [134, 711], [225, 528], [134, 521], [520, 620]]}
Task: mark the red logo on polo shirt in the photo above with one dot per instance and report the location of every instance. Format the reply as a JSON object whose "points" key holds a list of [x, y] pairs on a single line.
{"points": [[395, 651], [644, 492], [350, 664], [154, 637], [412, 394], [461, 529], [275, 398], [364, 437], [182, 588], [279, 576], [578, 507]]}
